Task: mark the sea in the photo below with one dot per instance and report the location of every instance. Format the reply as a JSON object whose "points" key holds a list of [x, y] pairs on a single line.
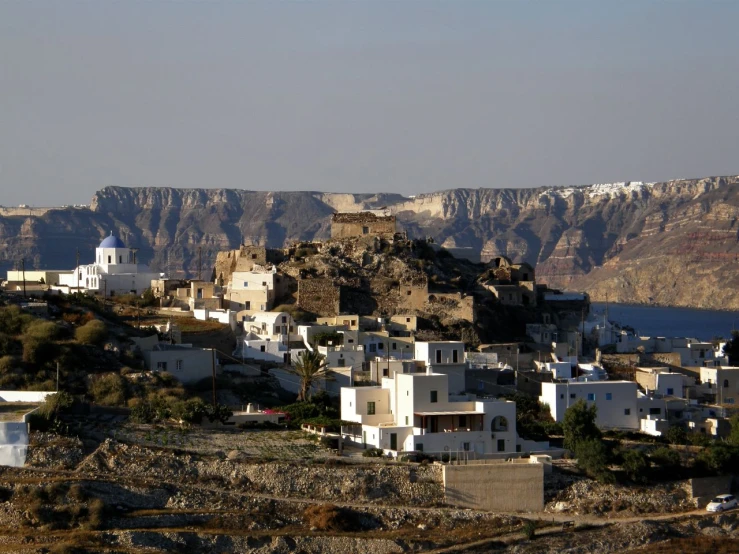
{"points": [[655, 321]]}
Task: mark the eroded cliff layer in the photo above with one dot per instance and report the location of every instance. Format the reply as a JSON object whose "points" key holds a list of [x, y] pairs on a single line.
{"points": [[674, 242]]}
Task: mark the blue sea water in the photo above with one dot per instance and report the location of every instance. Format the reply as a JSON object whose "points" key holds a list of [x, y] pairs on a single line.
{"points": [[653, 321]]}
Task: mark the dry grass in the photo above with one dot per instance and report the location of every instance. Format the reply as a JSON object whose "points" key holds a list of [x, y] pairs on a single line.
{"points": [[329, 517], [695, 545]]}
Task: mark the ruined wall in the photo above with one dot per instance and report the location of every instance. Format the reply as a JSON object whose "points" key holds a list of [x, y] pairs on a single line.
{"points": [[452, 305], [346, 225], [243, 259], [319, 296], [413, 296]]}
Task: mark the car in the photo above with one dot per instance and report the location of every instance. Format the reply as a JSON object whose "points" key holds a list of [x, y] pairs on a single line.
{"points": [[722, 503]]}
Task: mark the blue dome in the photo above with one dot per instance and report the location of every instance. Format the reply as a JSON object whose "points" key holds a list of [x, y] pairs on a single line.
{"points": [[112, 242]]}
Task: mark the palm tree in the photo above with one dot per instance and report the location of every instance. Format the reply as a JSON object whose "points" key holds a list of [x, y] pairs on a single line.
{"points": [[309, 367]]}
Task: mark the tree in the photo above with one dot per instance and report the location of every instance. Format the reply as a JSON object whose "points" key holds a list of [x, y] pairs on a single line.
{"points": [[676, 435], [733, 437], [310, 367], [592, 457], [732, 348], [636, 465], [579, 424]]}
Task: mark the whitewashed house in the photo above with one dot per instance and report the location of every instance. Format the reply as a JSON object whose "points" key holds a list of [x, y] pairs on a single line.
{"points": [[412, 412], [616, 401], [445, 357]]}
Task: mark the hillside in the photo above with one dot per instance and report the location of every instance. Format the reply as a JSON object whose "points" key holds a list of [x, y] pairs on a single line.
{"points": [[629, 241]]}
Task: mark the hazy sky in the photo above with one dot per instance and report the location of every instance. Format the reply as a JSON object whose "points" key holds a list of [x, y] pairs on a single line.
{"points": [[405, 96]]}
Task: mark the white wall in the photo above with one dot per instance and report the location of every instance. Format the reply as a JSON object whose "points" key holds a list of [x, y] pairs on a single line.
{"points": [[13, 443], [617, 411], [24, 396]]}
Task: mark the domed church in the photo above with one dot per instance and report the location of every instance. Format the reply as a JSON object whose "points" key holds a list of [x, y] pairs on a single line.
{"points": [[114, 272]]}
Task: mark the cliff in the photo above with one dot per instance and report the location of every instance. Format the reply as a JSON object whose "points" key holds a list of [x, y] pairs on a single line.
{"points": [[673, 243]]}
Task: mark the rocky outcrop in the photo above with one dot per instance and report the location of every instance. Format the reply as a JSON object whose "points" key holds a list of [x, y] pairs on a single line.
{"points": [[671, 243]]}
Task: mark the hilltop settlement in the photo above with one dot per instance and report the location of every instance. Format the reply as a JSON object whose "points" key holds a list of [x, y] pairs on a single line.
{"points": [[370, 391]]}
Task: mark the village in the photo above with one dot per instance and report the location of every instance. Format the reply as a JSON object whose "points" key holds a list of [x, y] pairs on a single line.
{"points": [[494, 366]]}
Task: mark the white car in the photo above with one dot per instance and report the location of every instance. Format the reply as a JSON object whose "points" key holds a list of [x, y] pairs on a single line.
{"points": [[721, 503]]}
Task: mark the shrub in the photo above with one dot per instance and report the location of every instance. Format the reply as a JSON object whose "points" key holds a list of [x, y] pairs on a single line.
{"points": [[372, 453], [7, 363], [55, 404], [13, 320], [109, 390], [44, 330], [579, 425], [529, 530], [665, 457], [8, 345], [38, 351], [93, 332], [328, 517]]}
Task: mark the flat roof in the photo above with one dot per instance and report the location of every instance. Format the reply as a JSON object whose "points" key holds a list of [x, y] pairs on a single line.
{"points": [[447, 413]]}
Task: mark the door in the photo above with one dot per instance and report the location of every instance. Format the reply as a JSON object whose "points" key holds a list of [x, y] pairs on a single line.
{"points": [[434, 423], [393, 441], [364, 439], [501, 445]]}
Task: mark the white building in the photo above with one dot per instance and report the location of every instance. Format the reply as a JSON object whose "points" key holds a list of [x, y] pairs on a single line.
{"points": [[411, 412], [724, 382], [616, 401], [272, 325], [187, 364], [115, 271], [253, 291], [445, 357]]}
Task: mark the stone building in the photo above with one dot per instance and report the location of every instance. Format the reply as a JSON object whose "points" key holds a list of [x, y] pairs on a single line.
{"points": [[511, 284], [360, 224], [319, 296]]}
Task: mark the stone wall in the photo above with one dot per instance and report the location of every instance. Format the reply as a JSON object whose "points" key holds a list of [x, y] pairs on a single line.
{"points": [[347, 225], [703, 489], [319, 296], [503, 486], [412, 296]]}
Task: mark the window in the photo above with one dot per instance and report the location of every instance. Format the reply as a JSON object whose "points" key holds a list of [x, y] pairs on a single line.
{"points": [[162, 366], [655, 411], [434, 396], [562, 396], [261, 348], [178, 365], [609, 396], [407, 319], [395, 346], [380, 346], [455, 356], [406, 420], [365, 230], [627, 411], [408, 293], [466, 446], [120, 259], [385, 372], [573, 395], [438, 356], [246, 285], [253, 256], [264, 283], [370, 408], [341, 362], [419, 446], [373, 347], [463, 421], [109, 259], [670, 391], [726, 383], [350, 341], [247, 305], [591, 397], [284, 319]]}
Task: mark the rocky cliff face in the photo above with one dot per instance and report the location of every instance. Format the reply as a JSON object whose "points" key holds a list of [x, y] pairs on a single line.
{"points": [[672, 243]]}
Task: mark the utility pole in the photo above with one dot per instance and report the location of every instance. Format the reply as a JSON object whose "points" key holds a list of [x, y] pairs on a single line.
{"points": [[57, 377], [213, 365], [200, 262], [23, 269]]}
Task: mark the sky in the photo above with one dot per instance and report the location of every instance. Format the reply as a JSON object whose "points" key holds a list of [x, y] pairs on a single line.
{"points": [[403, 96]]}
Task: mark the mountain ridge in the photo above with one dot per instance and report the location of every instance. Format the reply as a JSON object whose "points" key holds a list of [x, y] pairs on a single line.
{"points": [[619, 239]]}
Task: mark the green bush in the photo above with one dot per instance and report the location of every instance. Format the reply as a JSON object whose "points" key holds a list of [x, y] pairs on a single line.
{"points": [[676, 435], [579, 424], [665, 457], [8, 345], [93, 332], [372, 453], [13, 321]]}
